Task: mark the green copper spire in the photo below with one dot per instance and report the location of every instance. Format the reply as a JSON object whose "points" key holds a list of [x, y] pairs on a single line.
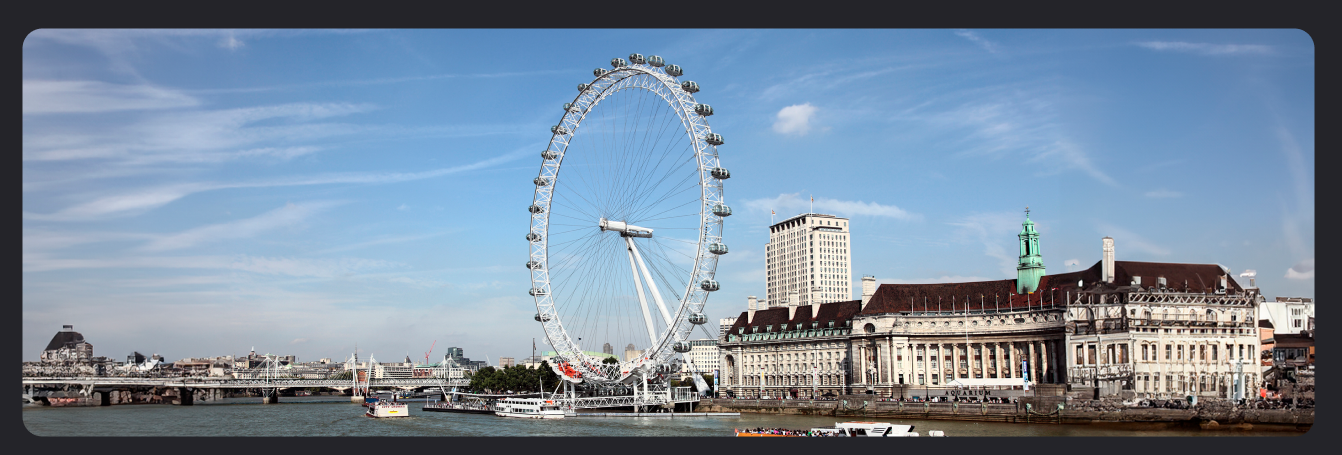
{"points": [[1031, 266]]}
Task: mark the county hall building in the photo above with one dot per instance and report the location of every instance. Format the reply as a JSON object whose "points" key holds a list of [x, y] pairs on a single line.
{"points": [[1135, 329]]}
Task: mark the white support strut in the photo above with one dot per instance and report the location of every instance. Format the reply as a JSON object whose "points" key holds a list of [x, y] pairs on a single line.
{"points": [[643, 301], [652, 286]]}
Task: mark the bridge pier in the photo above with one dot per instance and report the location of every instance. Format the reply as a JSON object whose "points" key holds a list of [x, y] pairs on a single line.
{"points": [[104, 398], [272, 399], [185, 397]]}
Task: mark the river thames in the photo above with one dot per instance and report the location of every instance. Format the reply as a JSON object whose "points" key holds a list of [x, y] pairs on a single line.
{"points": [[318, 416]]}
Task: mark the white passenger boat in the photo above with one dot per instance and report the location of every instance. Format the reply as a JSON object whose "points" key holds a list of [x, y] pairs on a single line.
{"points": [[388, 409], [872, 430], [529, 408]]}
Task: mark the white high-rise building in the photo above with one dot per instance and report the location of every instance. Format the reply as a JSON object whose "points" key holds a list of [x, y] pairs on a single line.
{"points": [[807, 261]]}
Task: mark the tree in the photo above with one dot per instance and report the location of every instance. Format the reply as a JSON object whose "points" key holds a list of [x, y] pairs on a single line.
{"points": [[610, 361]]}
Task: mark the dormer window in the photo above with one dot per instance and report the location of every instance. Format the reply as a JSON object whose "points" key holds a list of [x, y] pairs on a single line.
{"points": [[770, 328], [831, 324]]}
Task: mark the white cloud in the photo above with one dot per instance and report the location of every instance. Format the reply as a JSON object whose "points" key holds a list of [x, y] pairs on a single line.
{"points": [[231, 42], [1303, 270], [1071, 263], [1206, 48], [59, 97], [1124, 238], [1163, 194], [313, 268], [299, 340], [288, 215], [976, 39], [789, 204], [403, 207], [795, 119]]}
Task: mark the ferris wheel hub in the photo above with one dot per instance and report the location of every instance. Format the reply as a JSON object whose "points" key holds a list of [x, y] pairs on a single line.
{"points": [[625, 229]]}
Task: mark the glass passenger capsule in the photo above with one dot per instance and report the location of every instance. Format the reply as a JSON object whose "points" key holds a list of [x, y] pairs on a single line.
{"points": [[533, 237], [690, 86], [721, 173], [584, 87], [637, 58], [618, 62], [722, 210], [536, 291], [533, 265], [541, 181], [656, 60], [698, 318], [549, 154], [542, 317], [599, 72], [536, 208], [709, 285], [674, 70], [569, 107], [559, 129], [713, 138], [703, 109], [717, 248], [680, 346]]}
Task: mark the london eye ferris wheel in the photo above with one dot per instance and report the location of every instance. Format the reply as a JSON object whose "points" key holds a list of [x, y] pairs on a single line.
{"points": [[624, 242]]}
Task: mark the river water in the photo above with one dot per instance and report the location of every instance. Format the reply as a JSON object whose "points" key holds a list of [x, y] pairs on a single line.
{"points": [[319, 416]]}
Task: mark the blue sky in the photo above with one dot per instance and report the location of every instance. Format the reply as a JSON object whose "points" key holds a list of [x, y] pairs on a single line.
{"points": [[201, 192]]}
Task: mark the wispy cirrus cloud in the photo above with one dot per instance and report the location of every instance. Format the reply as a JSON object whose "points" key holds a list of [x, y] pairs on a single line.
{"points": [[64, 97], [289, 215], [788, 204], [294, 267], [1163, 194], [1010, 120], [976, 39], [986, 229], [141, 200], [1124, 238], [941, 279], [1206, 48]]}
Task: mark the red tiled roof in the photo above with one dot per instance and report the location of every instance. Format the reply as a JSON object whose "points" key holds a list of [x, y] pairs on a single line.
{"points": [[839, 312], [1200, 277]]}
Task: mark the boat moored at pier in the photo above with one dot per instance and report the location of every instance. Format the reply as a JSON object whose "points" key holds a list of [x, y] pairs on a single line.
{"points": [[840, 429], [529, 408]]}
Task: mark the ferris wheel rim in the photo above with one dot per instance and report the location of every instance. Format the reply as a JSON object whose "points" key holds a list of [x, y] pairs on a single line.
{"points": [[710, 226]]}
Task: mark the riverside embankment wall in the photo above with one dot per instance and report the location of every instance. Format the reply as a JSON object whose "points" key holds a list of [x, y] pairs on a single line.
{"points": [[1028, 410]]}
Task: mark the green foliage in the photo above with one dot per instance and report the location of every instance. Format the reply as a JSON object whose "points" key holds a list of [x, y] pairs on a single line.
{"points": [[610, 361], [516, 378]]}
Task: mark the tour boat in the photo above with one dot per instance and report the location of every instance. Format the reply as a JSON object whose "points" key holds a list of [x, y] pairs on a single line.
{"points": [[849, 429], [529, 408], [388, 409]]}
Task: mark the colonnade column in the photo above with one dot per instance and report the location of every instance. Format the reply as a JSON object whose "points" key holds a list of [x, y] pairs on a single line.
{"points": [[1043, 353], [1010, 365], [1034, 363]]}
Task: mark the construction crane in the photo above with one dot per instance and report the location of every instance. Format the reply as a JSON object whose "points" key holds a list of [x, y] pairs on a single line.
{"points": [[426, 354]]}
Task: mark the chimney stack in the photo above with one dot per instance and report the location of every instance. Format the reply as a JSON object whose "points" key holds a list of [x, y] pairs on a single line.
{"points": [[750, 309], [868, 289], [1107, 270]]}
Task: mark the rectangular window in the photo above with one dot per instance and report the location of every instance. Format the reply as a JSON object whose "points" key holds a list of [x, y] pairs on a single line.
{"points": [[934, 379], [1213, 353], [1181, 353], [1080, 355], [1091, 356], [1168, 349], [1144, 350], [1123, 353], [920, 379], [1202, 352]]}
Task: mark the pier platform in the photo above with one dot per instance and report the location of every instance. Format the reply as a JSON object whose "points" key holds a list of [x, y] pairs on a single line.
{"points": [[655, 414]]}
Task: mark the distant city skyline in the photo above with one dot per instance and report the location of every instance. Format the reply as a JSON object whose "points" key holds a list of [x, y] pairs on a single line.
{"points": [[200, 192]]}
